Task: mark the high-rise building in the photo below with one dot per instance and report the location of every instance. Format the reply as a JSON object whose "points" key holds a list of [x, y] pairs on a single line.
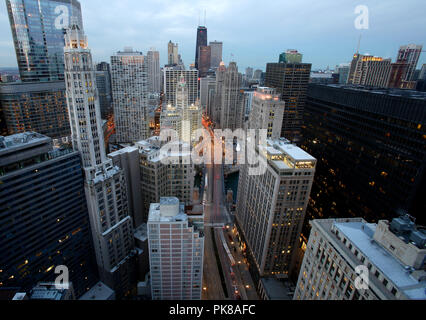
{"points": [[290, 56], [257, 74], [172, 53], [217, 100], [103, 83], [216, 53], [105, 184], [207, 84], [271, 207], [176, 250], [128, 160], [372, 146], [159, 179], [409, 54], [44, 219], [204, 57], [343, 71], [248, 101], [392, 255], [397, 74], [249, 73], [154, 72], [422, 74], [267, 112], [367, 70], [38, 106], [171, 81], [129, 95], [38, 34], [182, 117], [291, 81], [201, 41], [231, 99]]}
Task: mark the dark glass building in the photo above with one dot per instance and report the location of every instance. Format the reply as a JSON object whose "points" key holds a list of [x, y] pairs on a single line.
{"points": [[371, 151], [38, 35], [201, 41], [103, 83], [44, 220], [37, 106], [291, 81]]}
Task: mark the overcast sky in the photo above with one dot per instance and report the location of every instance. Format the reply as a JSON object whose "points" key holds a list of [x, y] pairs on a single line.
{"points": [[254, 31]]}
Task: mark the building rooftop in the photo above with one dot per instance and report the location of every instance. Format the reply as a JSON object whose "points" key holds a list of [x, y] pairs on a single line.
{"points": [[168, 210], [361, 235], [413, 94], [276, 289], [100, 291], [21, 141], [141, 232]]}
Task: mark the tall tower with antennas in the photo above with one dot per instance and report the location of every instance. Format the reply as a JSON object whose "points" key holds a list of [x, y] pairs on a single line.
{"points": [[201, 40]]}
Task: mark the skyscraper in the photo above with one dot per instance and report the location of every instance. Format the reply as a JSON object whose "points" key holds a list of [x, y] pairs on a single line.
{"points": [[373, 176], [183, 117], [368, 70], [176, 250], [129, 95], [171, 81], [103, 83], [393, 252], [172, 53], [231, 98], [44, 219], [38, 34], [154, 72], [105, 185], [201, 41], [207, 84], [271, 207], [159, 179], [291, 81], [410, 54], [267, 112], [216, 53], [204, 57]]}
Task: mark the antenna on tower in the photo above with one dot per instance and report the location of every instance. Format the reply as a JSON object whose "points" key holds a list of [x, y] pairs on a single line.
{"points": [[205, 17], [359, 43], [199, 19]]}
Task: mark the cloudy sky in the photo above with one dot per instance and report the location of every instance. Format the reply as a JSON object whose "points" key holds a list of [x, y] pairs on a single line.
{"points": [[254, 31]]}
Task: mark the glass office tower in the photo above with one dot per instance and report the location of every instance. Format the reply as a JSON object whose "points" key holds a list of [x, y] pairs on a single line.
{"points": [[38, 34]]}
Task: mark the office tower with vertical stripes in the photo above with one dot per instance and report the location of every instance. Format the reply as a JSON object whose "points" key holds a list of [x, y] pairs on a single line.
{"points": [[129, 79], [105, 185]]}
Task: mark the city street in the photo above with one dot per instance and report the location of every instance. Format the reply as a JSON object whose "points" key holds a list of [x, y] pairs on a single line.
{"points": [[217, 219]]}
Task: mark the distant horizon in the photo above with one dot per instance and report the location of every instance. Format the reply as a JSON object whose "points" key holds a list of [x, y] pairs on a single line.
{"points": [[253, 34]]}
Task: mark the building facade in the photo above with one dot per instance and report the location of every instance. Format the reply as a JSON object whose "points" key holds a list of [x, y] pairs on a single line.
{"points": [[36, 106], [409, 54], [105, 185], [230, 98], [271, 207], [163, 174], [267, 112], [291, 81], [371, 143], [44, 217], [176, 250], [129, 79], [369, 70], [216, 53], [171, 81], [393, 261], [204, 57], [38, 34], [154, 72]]}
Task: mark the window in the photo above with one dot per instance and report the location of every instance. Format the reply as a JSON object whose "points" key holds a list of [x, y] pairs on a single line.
{"points": [[393, 291]]}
